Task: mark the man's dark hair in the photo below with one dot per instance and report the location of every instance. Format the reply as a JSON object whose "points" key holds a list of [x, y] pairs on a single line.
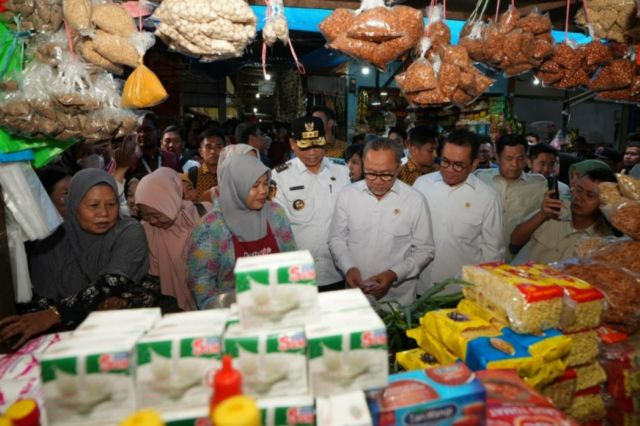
{"points": [[172, 129], [601, 175], [399, 131], [51, 175], [633, 144], [351, 151], [463, 137], [151, 116], [357, 138], [244, 130], [482, 139], [210, 133], [421, 135], [328, 112], [380, 144], [542, 148], [510, 140]]}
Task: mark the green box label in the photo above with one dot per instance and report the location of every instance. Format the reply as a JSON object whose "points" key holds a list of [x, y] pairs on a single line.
{"points": [[373, 339], [294, 274], [293, 342], [202, 347], [290, 416]]}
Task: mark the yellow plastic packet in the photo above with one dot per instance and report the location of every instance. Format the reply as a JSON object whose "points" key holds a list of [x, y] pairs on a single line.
{"points": [[416, 359], [143, 89], [455, 330], [540, 373], [431, 345], [473, 309]]}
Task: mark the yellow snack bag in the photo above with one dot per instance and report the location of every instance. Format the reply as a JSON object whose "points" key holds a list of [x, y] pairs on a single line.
{"points": [[473, 309], [455, 330], [143, 89], [430, 344], [416, 359]]}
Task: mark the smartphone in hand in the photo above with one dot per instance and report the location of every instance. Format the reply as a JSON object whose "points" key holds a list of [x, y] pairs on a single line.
{"points": [[552, 185]]}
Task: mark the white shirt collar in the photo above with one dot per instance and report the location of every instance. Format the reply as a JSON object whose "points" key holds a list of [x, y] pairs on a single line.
{"points": [[472, 181], [301, 168]]}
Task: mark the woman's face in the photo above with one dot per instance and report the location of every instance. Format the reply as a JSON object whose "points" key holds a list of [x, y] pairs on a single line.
{"points": [[59, 195], [98, 210], [131, 198], [258, 193], [154, 217], [355, 167], [189, 193]]}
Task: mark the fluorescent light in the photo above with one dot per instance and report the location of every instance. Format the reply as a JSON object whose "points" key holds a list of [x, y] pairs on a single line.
{"points": [[255, 110], [267, 77], [383, 93], [257, 95], [365, 70], [536, 81]]}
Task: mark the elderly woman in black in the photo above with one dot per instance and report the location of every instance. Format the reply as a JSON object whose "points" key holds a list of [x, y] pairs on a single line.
{"points": [[95, 260]]}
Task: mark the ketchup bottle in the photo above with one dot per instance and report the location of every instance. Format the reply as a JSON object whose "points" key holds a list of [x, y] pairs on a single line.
{"points": [[227, 382]]}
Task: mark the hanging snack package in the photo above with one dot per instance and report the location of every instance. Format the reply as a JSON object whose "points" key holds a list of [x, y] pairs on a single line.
{"points": [[35, 15], [566, 68], [77, 15], [621, 252], [617, 75], [626, 218], [609, 20], [142, 89], [374, 33], [629, 186], [209, 30]]}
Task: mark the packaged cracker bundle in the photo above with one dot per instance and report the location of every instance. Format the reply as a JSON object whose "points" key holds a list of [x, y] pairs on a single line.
{"points": [[530, 305]]}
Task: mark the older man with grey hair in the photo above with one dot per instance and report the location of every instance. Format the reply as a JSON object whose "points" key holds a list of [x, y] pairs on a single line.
{"points": [[381, 236]]}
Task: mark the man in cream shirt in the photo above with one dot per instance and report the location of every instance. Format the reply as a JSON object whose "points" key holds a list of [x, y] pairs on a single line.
{"points": [[520, 193], [465, 212], [380, 234]]}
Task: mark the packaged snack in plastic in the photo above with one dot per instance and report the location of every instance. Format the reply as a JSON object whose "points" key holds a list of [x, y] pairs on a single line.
{"points": [[432, 345], [418, 77], [416, 359], [549, 345], [622, 252], [561, 391], [620, 287], [456, 330], [469, 307], [582, 304], [608, 19], [337, 23], [618, 74], [511, 401], [585, 347], [590, 375], [143, 89], [622, 364], [629, 186], [587, 406], [625, 217], [531, 306], [437, 30], [471, 39]]}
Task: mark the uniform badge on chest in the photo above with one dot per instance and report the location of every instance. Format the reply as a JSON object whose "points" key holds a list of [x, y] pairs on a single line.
{"points": [[298, 205]]}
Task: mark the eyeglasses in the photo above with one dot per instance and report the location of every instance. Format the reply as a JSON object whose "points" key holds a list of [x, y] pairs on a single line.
{"points": [[455, 165], [385, 177]]}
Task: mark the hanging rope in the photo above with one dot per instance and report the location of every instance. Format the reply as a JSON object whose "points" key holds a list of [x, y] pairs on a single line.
{"points": [[566, 21], [497, 10]]}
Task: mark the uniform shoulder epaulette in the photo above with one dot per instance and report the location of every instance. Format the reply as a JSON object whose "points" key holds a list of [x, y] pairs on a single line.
{"points": [[282, 167], [336, 160]]}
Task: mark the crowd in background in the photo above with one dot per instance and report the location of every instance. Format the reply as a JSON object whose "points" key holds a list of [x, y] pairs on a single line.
{"points": [[160, 217]]}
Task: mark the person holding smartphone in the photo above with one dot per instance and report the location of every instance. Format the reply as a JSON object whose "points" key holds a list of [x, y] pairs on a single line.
{"points": [[544, 238]]}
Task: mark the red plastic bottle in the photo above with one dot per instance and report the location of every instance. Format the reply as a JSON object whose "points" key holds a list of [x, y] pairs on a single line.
{"points": [[227, 382]]}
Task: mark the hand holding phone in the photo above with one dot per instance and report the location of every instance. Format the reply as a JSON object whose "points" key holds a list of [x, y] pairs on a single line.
{"points": [[552, 185]]}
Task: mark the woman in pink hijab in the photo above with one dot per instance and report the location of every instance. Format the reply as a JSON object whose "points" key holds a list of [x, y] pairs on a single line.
{"points": [[168, 221]]}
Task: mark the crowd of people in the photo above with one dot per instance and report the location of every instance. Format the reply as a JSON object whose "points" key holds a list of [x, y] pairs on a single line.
{"points": [[148, 222]]}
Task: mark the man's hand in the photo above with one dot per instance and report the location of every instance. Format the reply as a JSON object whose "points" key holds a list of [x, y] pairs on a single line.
{"points": [[113, 303], [550, 206], [384, 280], [125, 153], [27, 326], [354, 280]]}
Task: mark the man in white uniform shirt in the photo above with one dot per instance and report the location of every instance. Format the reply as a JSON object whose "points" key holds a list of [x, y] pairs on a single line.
{"points": [[380, 235], [307, 188], [465, 212]]}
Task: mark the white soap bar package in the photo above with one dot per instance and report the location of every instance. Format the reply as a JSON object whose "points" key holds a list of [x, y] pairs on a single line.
{"points": [[119, 322], [177, 360], [342, 300], [347, 351], [272, 362], [88, 381], [348, 409], [276, 290], [290, 410]]}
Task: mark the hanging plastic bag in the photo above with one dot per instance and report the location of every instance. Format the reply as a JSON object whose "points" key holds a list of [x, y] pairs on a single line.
{"points": [[276, 28], [626, 218], [19, 263], [143, 88]]}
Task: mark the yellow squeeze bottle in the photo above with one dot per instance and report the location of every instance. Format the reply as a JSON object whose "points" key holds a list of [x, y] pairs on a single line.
{"points": [[237, 410]]}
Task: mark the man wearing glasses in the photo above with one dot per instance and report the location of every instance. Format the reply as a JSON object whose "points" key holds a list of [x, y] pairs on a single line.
{"points": [[380, 234], [466, 217], [307, 188]]}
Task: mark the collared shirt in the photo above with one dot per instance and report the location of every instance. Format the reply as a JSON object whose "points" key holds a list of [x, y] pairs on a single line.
{"points": [[309, 200], [467, 226], [518, 198], [556, 240], [336, 149], [409, 172], [206, 179], [373, 235]]}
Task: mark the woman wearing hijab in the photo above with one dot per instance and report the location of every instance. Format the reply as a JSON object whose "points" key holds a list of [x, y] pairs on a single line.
{"points": [[95, 260], [168, 221], [243, 222]]}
